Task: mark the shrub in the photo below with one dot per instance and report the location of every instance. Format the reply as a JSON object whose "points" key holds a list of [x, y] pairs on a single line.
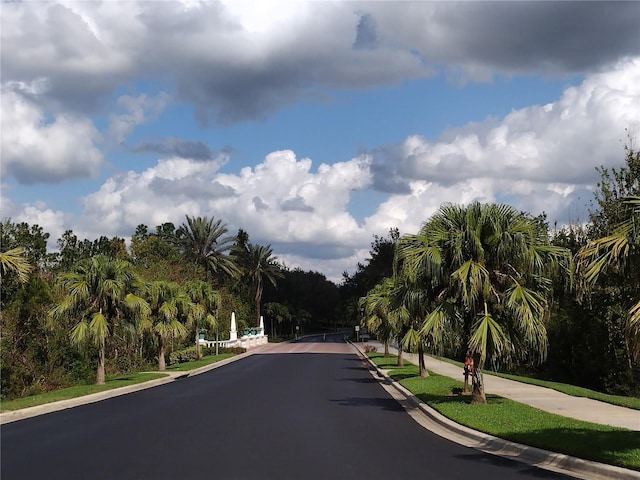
{"points": [[189, 354], [370, 349]]}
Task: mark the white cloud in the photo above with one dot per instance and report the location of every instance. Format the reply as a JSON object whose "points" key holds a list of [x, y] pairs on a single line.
{"points": [[137, 110], [538, 158], [65, 63], [38, 148]]}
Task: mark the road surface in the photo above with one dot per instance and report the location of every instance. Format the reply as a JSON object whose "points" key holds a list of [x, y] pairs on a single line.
{"points": [[307, 410]]}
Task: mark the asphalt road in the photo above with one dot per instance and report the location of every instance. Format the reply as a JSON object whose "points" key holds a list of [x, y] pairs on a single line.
{"points": [[302, 411]]}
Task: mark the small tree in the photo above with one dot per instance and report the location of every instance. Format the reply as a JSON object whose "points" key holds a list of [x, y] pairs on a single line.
{"points": [[168, 304], [205, 302], [100, 292], [493, 264]]}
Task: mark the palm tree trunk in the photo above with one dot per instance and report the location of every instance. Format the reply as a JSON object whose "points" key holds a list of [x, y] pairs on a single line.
{"points": [[198, 355], [386, 349], [421, 363], [477, 382], [161, 363], [100, 378], [257, 298]]}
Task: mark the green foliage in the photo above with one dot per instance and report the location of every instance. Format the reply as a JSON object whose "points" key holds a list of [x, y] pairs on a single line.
{"points": [[101, 297], [155, 257], [71, 250], [257, 266], [190, 354], [202, 240], [487, 271], [378, 266], [312, 301], [35, 357], [26, 245]]}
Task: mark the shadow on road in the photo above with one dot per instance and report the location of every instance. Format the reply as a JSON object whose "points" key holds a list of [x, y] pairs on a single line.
{"points": [[387, 404], [359, 380], [483, 458]]}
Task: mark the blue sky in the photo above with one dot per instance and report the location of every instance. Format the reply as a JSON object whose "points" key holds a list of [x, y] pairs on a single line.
{"points": [[311, 125]]}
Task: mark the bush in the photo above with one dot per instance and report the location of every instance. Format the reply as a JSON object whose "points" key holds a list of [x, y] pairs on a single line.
{"points": [[212, 350], [189, 354], [370, 349]]}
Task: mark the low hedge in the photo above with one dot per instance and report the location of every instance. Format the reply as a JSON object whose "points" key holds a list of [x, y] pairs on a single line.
{"points": [[189, 354]]}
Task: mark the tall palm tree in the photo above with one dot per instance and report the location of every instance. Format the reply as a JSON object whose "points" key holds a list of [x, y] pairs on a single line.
{"points": [[100, 293], [618, 251], [202, 240], [379, 317], [259, 264], [168, 304], [493, 265], [13, 260], [205, 302]]}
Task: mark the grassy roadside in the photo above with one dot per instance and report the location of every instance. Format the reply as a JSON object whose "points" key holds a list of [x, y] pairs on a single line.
{"points": [[78, 390], [619, 400], [111, 383], [517, 422], [629, 402]]}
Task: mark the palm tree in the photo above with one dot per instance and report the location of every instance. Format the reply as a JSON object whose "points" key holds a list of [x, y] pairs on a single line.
{"points": [[488, 269], [13, 260], [99, 294], [384, 311], [379, 318], [259, 264], [168, 303], [201, 240], [205, 302], [618, 251]]}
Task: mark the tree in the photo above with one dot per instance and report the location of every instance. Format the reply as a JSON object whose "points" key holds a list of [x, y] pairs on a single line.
{"points": [[168, 303], [14, 261], [377, 267], [612, 257], [379, 317], [157, 258], [259, 264], [24, 252], [492, 264], [30, 237], [205, 302], [617, 251], [276, 313], [201, 240], [100, 293]]}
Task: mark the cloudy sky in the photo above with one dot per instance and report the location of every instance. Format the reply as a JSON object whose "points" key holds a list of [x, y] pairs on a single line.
{"points": [[311, 125]]}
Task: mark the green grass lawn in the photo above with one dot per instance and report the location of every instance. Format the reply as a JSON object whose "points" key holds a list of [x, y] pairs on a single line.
{"points": [[78, 390], [111, 382], [629, 402], [520, 423], [206, 360], [621, 401]]}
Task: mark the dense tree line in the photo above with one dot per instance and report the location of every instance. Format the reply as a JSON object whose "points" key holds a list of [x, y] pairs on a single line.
{"points": [[561, 304], [496, 283], [94, 308]]}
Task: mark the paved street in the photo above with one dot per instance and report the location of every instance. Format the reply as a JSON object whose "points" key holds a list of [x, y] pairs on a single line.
{"points": [[307, 410]]}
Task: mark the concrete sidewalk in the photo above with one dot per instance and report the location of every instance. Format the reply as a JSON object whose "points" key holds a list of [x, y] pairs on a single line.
{"points": [[538, 397]]}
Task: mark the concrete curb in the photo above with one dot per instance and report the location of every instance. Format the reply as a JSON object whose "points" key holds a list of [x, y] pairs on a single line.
{"points": [[29, 412], [443, 426]]}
